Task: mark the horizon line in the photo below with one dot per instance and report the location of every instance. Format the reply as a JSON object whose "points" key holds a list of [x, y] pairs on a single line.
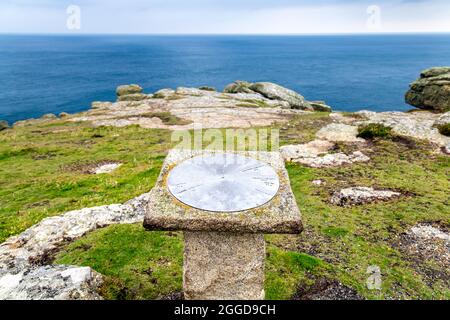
{"points": [[223, 34]]}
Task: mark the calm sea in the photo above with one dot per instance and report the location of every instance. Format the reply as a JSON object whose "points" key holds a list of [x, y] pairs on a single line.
{"points": [[42, 74]]}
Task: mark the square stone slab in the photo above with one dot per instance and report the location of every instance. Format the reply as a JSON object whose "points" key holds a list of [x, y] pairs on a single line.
{"points": [[279, 215]]}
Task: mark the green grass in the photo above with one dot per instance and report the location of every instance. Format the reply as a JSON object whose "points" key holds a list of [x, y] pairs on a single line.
{"points": [[36, 180], [137, 264], [338, 243]]}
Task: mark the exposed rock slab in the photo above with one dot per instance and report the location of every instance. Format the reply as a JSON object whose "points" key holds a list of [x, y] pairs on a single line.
{"points": [[316, 154], [361, 195], [277, 92], [51, 283], [418, 125], [33, 246], [208, 109], [339, 132]]}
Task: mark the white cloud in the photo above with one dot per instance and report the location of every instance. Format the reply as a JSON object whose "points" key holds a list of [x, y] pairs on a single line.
{"points": [[157, 16]]}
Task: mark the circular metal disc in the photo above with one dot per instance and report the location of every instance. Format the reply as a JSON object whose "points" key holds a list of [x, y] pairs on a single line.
{"points": [[223, 183]]}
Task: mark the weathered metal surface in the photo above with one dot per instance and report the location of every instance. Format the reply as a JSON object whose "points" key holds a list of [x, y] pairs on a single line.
{"points": [[223, 183]]}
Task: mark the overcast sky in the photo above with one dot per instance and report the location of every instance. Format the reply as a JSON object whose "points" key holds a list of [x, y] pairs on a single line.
{"points": [[226, 16]]}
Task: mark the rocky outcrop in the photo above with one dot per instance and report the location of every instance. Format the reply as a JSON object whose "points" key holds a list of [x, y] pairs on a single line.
{"points": [[24, 258], [431, 91], [128, 89], [209, 109], [277, 92], [361, 195], [132, 92]]}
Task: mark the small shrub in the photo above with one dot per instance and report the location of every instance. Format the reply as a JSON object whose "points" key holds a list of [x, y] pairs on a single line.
{"points": [[374, 130], [206, 88], [444, 129]]}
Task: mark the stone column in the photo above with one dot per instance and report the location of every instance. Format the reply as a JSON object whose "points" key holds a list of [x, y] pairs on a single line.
{"points": [[223, 266], [224, 252]]}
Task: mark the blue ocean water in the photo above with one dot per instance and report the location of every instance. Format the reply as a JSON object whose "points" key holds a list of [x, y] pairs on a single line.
{"points": [[42, 74]]}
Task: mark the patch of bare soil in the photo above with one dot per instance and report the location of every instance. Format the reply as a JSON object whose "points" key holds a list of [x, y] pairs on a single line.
{"points": [[173, 296], [89, 167], [312, 243], [326, 289], [427, 248]]}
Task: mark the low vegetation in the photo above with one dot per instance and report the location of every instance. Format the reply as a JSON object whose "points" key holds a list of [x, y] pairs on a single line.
{"points": [[444, 129], [338, 243], [374, 130]]}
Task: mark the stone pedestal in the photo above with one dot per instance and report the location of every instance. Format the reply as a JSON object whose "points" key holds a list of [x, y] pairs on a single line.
{"points": [[223, 266], [224, 251]]}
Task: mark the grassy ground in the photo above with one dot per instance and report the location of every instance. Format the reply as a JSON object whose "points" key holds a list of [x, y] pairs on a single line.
{"points": [[38, 179]]}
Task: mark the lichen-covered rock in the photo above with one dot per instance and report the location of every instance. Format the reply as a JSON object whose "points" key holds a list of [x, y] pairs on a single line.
{"points": [[361, 195], [431, 91], [277, 92], [34, 245], [238, 87], [51, 283], [128, 89], [3, 125]]}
